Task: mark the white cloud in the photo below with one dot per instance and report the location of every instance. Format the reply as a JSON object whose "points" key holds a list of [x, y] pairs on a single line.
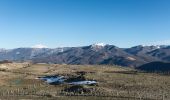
{"points": [[39, 46]]}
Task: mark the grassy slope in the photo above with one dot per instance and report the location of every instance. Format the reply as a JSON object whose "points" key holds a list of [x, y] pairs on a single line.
{"points": [[114, 82]]}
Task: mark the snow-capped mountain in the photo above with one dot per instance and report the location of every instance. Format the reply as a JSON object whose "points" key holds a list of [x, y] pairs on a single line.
{"points": [[98, 53], [99, 44], [39, 46]]}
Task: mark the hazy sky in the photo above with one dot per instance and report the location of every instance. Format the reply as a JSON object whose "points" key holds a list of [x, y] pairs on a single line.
{"points": [[58, 23]]}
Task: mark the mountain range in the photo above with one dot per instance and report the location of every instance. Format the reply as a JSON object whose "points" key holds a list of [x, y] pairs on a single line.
{"points": [[92, 54]]}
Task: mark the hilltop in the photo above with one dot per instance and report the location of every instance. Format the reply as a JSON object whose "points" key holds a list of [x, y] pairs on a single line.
{"points": [[19, 81]]}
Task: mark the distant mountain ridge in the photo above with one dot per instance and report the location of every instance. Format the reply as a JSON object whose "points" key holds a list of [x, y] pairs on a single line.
{"points": [[93, 54]]}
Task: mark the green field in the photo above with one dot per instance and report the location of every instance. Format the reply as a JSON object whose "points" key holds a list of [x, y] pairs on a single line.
{"points": [[18, 81]]}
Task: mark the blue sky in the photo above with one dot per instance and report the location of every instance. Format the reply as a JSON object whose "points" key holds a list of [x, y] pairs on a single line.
{"points": [[59, 23]]}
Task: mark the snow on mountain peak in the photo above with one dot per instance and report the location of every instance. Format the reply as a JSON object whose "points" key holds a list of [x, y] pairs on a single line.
{"points": [[158, 46], [99, 44], [39, 46]]}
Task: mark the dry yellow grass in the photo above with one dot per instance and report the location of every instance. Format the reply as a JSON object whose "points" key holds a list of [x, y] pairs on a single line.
{"points": [[114, 82]]}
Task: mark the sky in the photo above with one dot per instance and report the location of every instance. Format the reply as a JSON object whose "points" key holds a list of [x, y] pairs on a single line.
{"points": [[61, 23]]}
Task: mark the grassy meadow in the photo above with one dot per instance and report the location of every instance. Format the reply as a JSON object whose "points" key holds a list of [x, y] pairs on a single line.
{"points": [[18, 81]]}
